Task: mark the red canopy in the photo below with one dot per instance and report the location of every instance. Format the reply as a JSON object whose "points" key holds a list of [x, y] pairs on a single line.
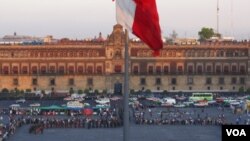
{"points": [[88, 112]]}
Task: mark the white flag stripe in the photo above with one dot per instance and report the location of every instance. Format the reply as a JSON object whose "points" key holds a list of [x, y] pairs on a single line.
{"points": [[125, 13]]}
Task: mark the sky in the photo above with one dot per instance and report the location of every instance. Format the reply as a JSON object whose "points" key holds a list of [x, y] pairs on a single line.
{"points": [[78, 19]]}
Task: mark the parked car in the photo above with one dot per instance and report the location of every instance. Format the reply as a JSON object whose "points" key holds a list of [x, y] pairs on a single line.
{"points": [[20, 101]]}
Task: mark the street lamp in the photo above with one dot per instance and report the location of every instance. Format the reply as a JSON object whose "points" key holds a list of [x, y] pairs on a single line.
{"points": [[1, 121]]}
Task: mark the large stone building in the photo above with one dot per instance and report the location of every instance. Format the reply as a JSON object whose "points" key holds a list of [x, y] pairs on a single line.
{"points": [[99, 64]]}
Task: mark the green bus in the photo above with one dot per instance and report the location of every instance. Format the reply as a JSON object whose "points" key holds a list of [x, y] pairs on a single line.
{"points": [[201, 96]]}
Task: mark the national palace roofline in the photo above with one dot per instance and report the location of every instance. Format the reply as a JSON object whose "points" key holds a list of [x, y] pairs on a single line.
{"points": [[99, 64], [132, 44]]}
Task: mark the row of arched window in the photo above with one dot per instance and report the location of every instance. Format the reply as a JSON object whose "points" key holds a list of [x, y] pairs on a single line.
{"points": [[195, 53], [33, 54], [191, 69], [43, 69]]}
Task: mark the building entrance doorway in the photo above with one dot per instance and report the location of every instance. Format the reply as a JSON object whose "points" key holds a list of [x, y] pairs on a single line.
{"points": [[118, 88]]}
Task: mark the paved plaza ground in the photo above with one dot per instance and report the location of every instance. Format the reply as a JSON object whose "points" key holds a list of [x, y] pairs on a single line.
{"points": [[138, 133]]}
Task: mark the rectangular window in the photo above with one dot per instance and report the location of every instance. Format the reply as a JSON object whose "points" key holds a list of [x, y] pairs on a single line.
{"points": [[173, 81], [143, 81], [199, 70], [218, 69], [90, 70], [34, 81], [221, 80], [158, 81], [150, 70], [190, 70], [71, 70], [34, 70], [118, 69], [234, 68], [25, 70], [90, 81], [209, 68], [15, 81], [80, 70], [234, 80], [166, 69], [71, 81], [52, 82], [5, 70], [180, 69], [158, 70], [43, 70], [242, 69], [136, 69], [190, 80], [61, 70], [15, 70], [99, 70], [209, 80], [52, 69], [226, 69], [242, 80]]}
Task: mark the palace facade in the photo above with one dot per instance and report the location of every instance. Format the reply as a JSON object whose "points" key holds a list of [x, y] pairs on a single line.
{"points": [[99, 64]]}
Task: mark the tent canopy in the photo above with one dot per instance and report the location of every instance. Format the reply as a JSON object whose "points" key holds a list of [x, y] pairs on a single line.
{"points": [[52, 107]]}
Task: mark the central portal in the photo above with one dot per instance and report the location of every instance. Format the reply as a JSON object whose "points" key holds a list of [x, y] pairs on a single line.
{"points": [[118, 88]]}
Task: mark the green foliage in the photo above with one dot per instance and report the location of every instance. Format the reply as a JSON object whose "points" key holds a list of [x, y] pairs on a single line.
{"points": [[96, 91], [132, 91], [148, 91], [71, 91], [43, 91], [80, 91], [22, 91], [206, 33], [165, 92], [248, 90], [28, 90], [241, 90], [105, 91], [86, 91], [5, 90], [12, 91], [17, 91]]}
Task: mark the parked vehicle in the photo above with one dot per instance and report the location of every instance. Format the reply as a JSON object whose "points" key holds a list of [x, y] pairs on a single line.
{"points": [[20, 101], [201, 96]]}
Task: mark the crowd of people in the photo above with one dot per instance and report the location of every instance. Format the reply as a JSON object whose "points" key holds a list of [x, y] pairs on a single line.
{"points": [[197, 116], [10, 128], [113, 118], [106, 118]]}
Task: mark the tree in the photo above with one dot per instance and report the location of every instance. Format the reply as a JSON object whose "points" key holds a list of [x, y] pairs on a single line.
{"points": [[165, 92], [17, 91], [105, 91], [206, 33], [71, 91], [80, 91], [241, 90], [148, 91], [86, 91], [173, 35], [28, 90], [12, 91], [43, 91], [5, 90], [248, 90], [132, 91], [96, 91]]}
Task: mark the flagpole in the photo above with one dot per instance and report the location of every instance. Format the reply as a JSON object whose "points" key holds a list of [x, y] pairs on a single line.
{"points": [[126, 91]]}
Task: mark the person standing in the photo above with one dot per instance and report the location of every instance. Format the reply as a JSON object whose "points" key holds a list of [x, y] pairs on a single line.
{"points": [[150, 112]]}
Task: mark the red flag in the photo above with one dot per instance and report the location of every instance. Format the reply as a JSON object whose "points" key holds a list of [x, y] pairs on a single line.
{"points": [[141, 18]]}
